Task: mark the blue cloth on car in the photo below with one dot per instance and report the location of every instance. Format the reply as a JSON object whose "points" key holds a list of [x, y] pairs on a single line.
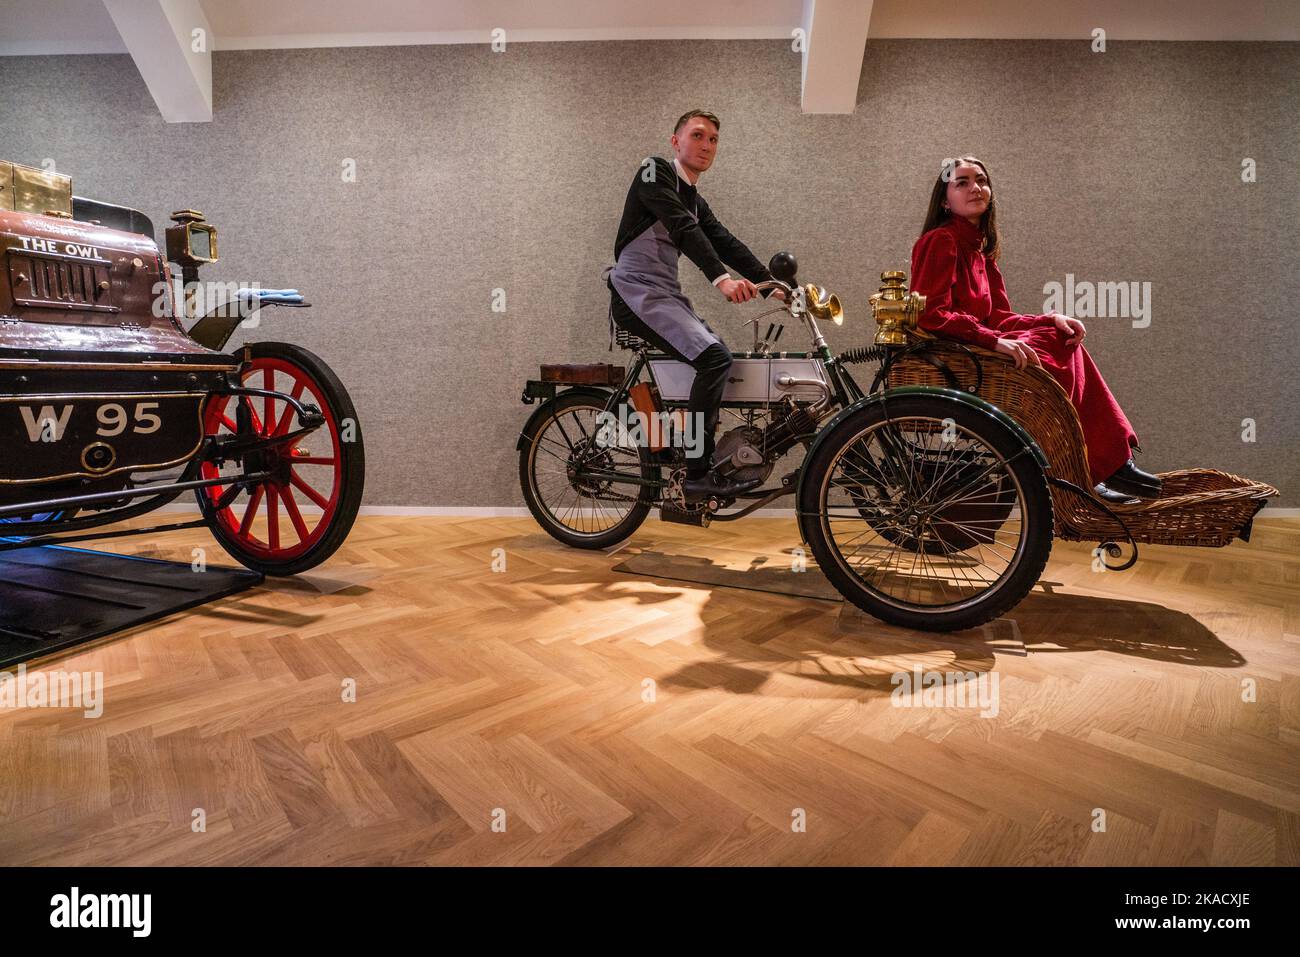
{"points": [[272, 295]]}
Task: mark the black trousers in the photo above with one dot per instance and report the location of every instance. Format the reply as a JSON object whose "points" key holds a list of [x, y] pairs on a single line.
{"points": [[711, 367]]}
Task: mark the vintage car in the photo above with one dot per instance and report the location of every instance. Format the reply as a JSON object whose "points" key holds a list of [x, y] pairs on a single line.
{"points": [[111, 408]]}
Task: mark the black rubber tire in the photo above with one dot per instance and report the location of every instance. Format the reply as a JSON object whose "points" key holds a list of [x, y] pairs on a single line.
{"points": [[353, 456], [995, 601], [560, 532]]}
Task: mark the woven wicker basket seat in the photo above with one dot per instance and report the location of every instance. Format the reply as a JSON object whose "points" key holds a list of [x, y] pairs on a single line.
{"points": [[1196, 507]]}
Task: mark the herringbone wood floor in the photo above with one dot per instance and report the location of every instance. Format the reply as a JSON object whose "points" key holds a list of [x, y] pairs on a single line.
{"points": [[524, 690]]}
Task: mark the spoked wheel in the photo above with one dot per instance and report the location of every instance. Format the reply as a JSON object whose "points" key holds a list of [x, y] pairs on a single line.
{"points": [[933, 515], [301, 514], [959, 525], [561, 449]]}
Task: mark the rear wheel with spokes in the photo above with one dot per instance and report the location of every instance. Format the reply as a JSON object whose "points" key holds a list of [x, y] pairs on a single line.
{"points": [[927, 513], [567, 453]]}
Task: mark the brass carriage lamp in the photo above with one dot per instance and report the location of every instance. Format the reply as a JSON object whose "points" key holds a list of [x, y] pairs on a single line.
{"points": [[192, 242], [895, 309]]}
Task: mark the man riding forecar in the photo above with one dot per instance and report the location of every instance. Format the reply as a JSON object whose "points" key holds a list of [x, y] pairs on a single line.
{"points": [[665, 216]]}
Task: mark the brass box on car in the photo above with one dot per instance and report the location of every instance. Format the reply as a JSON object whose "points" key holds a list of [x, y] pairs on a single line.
{"points": [[29, 190]]}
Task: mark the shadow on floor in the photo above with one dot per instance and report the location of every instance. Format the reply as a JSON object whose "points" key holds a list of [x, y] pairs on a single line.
{"points": [[806, 636]]}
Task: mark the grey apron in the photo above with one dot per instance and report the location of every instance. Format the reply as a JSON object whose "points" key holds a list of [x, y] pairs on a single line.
{"points": [[645, 275]]}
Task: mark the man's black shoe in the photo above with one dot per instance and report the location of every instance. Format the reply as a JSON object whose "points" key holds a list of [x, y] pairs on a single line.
{"points": [[1112, 496], [712, 485], [1133, 481]]}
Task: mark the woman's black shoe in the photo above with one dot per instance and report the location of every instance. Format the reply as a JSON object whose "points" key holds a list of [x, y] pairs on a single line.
{"points": [[1132, 480], [1112, 496]]}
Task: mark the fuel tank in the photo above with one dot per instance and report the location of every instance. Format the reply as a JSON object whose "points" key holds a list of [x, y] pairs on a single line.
{"points": [[753, 378]]}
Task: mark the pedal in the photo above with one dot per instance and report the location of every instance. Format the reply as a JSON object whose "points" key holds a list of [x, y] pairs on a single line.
{"points": [[698, 517]]}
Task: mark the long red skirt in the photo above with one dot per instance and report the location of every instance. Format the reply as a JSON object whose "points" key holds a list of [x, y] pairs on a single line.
{"points": [[1106, 430]]}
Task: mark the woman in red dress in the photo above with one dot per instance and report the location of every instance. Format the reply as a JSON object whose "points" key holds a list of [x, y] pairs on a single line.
{"points": [[954, 265]]}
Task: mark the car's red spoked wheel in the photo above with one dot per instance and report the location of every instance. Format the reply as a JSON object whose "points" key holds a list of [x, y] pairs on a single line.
{"points": [[300, 514]]}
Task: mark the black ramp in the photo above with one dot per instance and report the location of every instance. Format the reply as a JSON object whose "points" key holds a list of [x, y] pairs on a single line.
{"points": [[55, 597]]}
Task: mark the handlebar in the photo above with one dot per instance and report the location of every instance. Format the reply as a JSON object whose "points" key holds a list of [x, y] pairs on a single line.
{"points": [[794, 306], [774, 284], [785, 303]]}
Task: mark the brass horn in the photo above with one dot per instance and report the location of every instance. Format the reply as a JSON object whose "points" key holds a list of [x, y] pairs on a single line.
{"points": [[821, 305]]}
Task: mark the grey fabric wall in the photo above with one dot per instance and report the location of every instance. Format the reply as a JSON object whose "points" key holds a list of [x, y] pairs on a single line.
{"points": [[478, 170]]}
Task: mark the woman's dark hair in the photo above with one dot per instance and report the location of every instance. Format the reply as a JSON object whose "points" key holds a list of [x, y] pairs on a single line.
{"points": [[936, 215]]}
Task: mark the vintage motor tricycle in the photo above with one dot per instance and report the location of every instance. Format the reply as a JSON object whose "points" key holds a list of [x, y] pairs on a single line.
{"points": [[110, 407], [928, 499]]}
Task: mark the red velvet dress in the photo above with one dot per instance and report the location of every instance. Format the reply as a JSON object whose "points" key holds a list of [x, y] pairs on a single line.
{"points": [[966, 300]]}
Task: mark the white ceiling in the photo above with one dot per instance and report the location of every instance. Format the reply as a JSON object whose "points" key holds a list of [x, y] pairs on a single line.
{"points": [[83, 26]]}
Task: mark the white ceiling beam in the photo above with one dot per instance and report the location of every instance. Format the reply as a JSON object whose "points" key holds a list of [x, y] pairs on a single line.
{"points": [[836, 32], [171, 43]]}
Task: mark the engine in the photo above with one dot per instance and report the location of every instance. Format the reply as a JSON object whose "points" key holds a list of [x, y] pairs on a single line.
{"points": [[739, 454], [748, 452]]}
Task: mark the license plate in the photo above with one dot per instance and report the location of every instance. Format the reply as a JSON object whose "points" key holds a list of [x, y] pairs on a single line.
{"points": [[43, 438]]}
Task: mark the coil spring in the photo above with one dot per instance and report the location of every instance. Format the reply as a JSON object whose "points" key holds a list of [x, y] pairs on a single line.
{"points": [[863, 354]]}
